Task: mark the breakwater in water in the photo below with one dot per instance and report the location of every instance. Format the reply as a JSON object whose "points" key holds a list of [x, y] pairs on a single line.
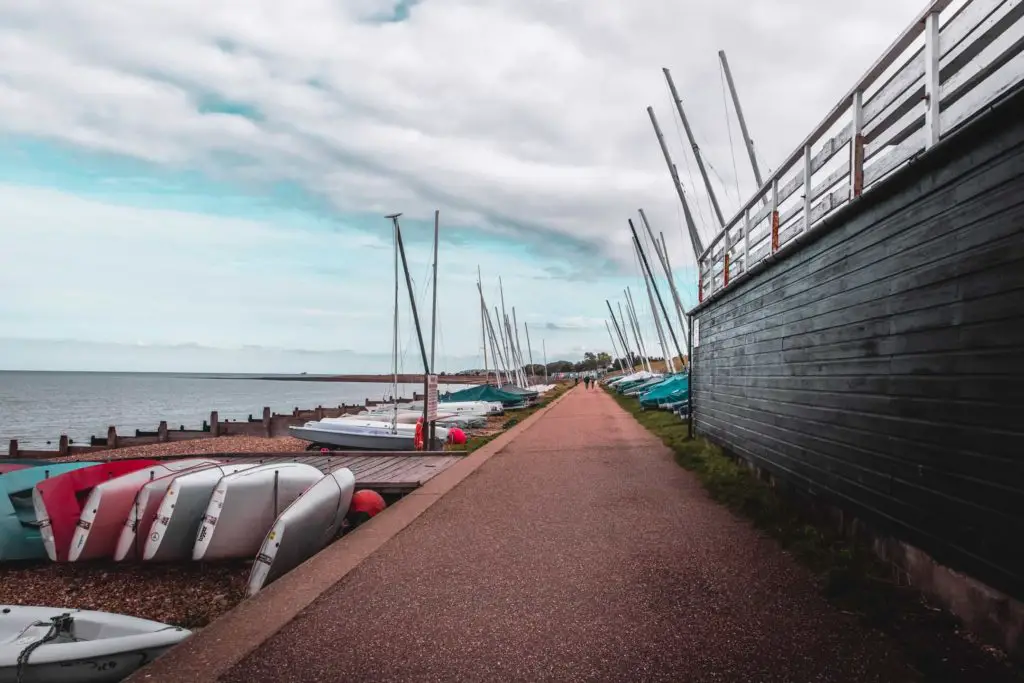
{"points": [[36, 408]]}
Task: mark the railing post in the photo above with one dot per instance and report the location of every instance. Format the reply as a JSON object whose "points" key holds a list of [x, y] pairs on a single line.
{"points": [[932, 95], [700, 282], [746, 240], [857, 146], [725, 257], [808, 188], [775, 214]]}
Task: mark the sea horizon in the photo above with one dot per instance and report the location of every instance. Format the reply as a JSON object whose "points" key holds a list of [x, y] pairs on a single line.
{"points": [[37, 406]]}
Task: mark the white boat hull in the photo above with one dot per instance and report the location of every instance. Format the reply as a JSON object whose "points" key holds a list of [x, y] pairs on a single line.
{"points": [[101, 647], [109, 505], [173, 533], [307, 526], [144, 512], [245, 504]]}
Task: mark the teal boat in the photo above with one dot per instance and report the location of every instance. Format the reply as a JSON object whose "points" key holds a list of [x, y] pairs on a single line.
{"points": [[674, 389], [508, 396], [19, 535]]}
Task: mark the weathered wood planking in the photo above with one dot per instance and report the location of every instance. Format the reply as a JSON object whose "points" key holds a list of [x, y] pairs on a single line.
{"points": [[386, 472], [881, 364]]}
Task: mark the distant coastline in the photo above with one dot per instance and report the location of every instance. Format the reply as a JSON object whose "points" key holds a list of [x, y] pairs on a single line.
{"points": [[371, 379]]}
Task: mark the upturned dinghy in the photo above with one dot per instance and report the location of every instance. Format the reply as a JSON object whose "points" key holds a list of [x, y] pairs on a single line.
{"points": [[143, 512], [305, 528], [57, 501], [108, 506], [173, 533], [20, 538], [244, 506], [53, 645]]}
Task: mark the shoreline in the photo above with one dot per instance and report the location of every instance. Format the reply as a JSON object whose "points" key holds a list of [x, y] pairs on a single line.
{"points": [[369, 379]]}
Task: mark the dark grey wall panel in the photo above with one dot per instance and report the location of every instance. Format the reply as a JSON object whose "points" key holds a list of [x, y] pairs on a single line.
{"points": [[881, 364]]}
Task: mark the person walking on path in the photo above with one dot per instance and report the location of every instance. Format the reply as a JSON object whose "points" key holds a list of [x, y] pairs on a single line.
{"points": [[586, 382]]}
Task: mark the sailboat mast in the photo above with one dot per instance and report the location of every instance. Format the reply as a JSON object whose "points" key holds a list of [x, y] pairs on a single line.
{"points": [[657, 321], [433, 330], [691, 226], [544, 347], [394, 345], [647, 266], [412, 303], [739, 115], [614, 349], [529, 348], [662, 252], [483, 330], [634, 323], [696, 149], [519, 346]]}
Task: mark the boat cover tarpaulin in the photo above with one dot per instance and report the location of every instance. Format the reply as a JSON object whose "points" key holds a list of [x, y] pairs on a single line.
{"points": [[486, 392]]}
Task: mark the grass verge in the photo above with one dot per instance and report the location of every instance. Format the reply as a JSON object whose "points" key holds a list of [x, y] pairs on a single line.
{"points": [[848, 572]]}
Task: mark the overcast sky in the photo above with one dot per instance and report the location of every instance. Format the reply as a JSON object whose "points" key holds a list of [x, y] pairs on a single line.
{"points": [[201, 184]]}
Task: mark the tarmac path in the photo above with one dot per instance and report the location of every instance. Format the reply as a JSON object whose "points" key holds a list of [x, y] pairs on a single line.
{"points": [[580, 552]]}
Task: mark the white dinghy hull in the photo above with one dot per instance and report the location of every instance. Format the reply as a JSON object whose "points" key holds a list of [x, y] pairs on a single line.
{"points": [[144, 512], [97, 647], [109, 504], [173, 533], [244, 506], [305, 528]]}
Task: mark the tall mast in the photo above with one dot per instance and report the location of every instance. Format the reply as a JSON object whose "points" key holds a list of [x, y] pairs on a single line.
{"points": [[635, 324], [739, 115], [394, 345], [663, 258], [614, 349], [669, 365], [647, 266], [691, 227], [483, 330], [529, 348], [627, 327], [693, 144], [519, 346], [544, 347], [626, 353], [506, 360], [504, 316], [433, 331]]}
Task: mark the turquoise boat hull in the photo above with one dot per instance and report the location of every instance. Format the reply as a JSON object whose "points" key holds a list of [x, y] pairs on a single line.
{"points": [[19, 535]]}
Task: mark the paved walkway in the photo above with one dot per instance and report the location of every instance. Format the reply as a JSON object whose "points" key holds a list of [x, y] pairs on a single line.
{"points": [[581, 552]]}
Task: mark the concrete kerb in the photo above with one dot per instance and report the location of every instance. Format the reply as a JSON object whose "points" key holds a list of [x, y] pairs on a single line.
{"points": [[210, 653]]}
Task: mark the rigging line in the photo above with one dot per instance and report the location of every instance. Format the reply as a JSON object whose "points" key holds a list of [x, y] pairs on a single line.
{"points": [[728, 127]]}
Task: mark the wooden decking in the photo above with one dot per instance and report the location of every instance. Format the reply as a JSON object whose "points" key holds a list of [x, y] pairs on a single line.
{"points": [[385, 472]]}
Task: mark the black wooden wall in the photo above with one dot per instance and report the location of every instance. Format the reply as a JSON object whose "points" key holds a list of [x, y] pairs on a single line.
{"points": [[881, 364]]}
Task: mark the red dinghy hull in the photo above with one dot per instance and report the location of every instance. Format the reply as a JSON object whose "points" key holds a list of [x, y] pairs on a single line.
{"points": [[58, 501]]}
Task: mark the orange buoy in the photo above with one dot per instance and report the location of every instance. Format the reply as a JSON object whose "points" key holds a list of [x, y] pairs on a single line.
{"points": [[418, 439]]}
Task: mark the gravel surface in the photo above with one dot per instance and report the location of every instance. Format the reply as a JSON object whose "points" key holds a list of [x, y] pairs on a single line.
{"points": [[183, 594], [221, 444], [580, 552]]}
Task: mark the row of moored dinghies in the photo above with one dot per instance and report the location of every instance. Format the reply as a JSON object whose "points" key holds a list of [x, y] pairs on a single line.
{"points": [[280, 513], [656, 391], [198, 509]]}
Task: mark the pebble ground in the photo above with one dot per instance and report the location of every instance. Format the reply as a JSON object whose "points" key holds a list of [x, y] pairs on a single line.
{"points": [[581, 552]]}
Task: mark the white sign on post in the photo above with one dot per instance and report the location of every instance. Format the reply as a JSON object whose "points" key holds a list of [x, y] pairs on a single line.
{"points": [[431, 398]]}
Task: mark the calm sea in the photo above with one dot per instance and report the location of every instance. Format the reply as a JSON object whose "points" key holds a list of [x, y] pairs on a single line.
{"points": [[37, 407]]}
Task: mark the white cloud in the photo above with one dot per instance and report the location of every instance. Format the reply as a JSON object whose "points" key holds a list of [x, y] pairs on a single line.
{"points": [[522, 120], [503, 111]]}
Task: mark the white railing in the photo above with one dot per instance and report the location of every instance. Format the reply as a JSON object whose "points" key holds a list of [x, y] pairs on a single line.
{"points": [[952, 62]]}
